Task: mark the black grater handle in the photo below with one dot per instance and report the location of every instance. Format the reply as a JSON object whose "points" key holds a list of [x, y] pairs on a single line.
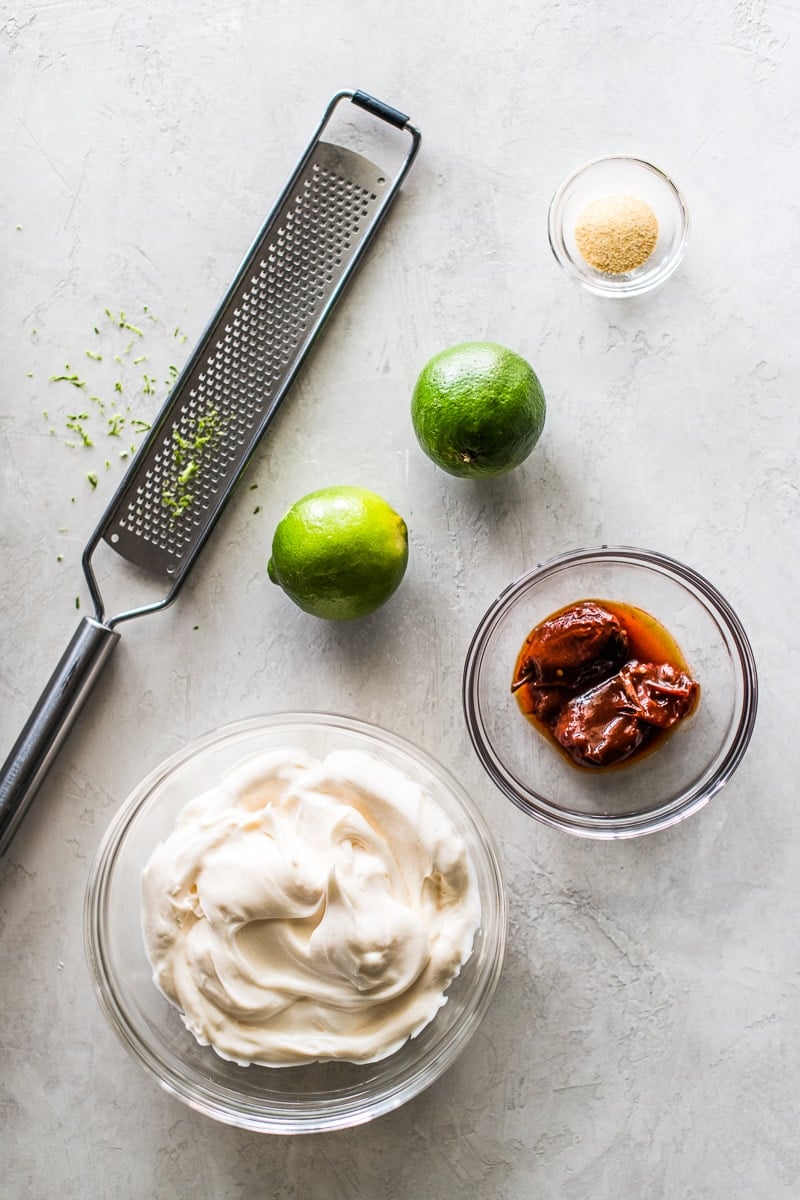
{"points": [[50, 721], [380, 109]]}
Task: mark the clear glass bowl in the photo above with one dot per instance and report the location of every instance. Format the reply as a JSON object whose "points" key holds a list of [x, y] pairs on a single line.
{"points": [[661, 788], [315, 1097], [619, 174]]}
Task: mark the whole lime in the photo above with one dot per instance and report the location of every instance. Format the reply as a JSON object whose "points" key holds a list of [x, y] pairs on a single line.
{"points": [[339, 553], [478, 409]]}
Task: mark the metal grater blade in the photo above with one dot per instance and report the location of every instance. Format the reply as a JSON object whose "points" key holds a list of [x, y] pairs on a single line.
{"points": [[222, 402], [226, 395]]}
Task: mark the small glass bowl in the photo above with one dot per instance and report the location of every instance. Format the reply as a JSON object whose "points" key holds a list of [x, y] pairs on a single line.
{"points": [[661, 788], [309, 1098], [619, 174]]}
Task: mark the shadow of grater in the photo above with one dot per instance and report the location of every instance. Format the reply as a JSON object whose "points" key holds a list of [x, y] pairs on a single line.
{"points": [[222, 402]]}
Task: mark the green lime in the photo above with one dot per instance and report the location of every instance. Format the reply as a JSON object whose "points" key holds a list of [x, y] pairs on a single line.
{"points": [[478, 409], [339, 553]]}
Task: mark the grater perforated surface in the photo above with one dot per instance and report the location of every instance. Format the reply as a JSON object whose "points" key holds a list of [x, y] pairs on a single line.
{"points": [[221, 403]]}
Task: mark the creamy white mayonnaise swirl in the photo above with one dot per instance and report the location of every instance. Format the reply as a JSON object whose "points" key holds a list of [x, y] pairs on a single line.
{"points": [[307, 910]]}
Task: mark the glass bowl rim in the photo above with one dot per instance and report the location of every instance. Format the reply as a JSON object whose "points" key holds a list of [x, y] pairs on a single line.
{"points": [[611, 827], [243, 1112], [599, 284]]}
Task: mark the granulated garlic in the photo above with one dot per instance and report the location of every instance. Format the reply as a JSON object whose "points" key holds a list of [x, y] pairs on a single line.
{"points": [[616, 233]]}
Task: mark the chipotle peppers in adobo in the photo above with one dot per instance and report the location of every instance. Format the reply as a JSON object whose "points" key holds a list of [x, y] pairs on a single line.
{"points": [[604, 680]]}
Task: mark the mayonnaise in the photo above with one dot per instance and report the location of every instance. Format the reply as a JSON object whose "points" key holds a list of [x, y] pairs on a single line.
{"points": [[307, 910]]}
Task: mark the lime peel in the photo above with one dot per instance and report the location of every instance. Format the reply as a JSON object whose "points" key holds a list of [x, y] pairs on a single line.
{"points": [[478, 409], [339, 553]]}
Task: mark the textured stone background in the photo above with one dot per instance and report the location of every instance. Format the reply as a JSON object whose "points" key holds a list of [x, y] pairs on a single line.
{"points": [[643, 1038]]}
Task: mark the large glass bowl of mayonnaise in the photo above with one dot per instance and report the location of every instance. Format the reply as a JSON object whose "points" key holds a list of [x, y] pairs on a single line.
{"points": [[165, 995]]}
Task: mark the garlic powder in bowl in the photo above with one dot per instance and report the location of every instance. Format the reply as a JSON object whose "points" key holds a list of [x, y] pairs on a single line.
{"points": [[618, 226], [617, 233]]}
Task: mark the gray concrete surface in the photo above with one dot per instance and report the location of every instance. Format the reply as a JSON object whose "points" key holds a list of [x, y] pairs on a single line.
{"points": [[642, 1042]]}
